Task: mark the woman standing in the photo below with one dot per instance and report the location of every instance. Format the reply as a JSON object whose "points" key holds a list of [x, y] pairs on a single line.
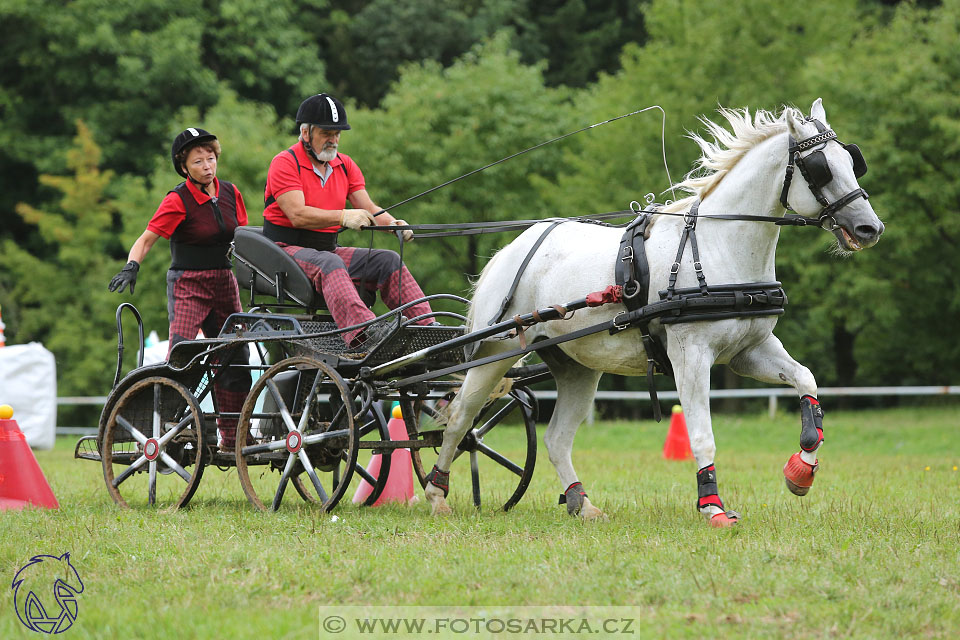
{"points": [[198, 217]]}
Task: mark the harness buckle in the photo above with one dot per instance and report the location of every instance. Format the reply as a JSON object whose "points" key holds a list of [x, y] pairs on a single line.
{"points": [[697, 266], [618, 324], [627, 254], [675, 269]]}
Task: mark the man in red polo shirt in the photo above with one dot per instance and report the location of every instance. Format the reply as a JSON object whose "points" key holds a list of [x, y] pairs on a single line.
{"points": [[308, 187]]}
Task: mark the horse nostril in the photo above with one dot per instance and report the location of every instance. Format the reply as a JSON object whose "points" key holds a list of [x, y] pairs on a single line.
{"points": [[868, 231]]}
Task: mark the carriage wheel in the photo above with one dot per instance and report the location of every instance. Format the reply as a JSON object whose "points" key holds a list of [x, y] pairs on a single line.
{"points": [[152, 449], [297, 425], [501, 462]]}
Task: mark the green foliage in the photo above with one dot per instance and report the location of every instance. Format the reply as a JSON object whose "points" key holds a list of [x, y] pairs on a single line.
{"points": [[61, 299], [438, 124]]}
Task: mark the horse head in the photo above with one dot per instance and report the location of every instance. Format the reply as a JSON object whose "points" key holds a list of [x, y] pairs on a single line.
{"points": [[829, 189]]}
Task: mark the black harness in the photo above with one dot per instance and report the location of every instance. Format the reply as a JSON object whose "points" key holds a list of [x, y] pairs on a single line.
{"points": [[816, 172]]}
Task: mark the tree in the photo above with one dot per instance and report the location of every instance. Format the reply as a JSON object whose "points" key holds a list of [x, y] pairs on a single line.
{"points": [[62, 299], [437, 124]]}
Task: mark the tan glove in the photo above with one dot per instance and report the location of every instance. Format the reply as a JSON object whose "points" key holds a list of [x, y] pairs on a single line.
{"points": [[407, 234], [356, 218]]}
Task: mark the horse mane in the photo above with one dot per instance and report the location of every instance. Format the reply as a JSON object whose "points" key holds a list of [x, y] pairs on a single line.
{"points": [[721, 154]]}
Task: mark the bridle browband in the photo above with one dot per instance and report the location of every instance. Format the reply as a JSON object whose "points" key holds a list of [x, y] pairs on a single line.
{"points": [[816, 172]]}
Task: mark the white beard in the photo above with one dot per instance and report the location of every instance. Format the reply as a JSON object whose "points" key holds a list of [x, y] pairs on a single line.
{"points": [[328, 153]]}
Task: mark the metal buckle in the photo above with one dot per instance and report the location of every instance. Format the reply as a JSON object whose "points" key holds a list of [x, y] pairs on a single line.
{"points": [[618, 324], [636, 289], [627, 254], [697, 266]]}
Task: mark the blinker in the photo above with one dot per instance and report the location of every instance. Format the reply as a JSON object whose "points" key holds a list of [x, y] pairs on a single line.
{"points": [[817, 172]]}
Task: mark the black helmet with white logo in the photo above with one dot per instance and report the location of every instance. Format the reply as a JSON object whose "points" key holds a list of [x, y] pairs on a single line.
{"points": [[183, 142], [323, 110]]}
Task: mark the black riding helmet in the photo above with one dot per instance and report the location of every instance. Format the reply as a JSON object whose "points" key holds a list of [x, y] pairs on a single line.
{"points": [[186, 139], [324, 111]]}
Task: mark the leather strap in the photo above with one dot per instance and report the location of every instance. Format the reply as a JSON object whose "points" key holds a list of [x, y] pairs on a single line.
{"points": [[523, 266]]}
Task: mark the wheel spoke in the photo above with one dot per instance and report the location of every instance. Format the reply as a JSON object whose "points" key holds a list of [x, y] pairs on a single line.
{"points": [[264, 447], [180, 426], [176, 467], [139, 437], [156, 411], [152, 487], [129, 471], [495, 419], [358, 468], [314, 438], [281, 405], [499, 459], [475, 478], [308, 467], [284, 478], [305, 415]]}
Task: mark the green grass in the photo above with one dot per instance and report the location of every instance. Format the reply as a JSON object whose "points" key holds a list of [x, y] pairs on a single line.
{"points": [[872, 552]]}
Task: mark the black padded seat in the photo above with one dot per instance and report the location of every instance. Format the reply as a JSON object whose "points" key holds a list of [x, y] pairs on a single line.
{"points": [[272, 271]]}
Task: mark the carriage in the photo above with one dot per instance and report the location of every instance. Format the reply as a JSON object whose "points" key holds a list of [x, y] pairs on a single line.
{"points": [[317, 410], [655, 299]]}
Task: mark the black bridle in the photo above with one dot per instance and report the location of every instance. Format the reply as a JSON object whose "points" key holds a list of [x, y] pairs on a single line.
{"points": [[816, 171]]}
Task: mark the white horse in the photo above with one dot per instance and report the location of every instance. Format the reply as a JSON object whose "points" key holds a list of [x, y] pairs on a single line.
{"points": [[742, 172]]}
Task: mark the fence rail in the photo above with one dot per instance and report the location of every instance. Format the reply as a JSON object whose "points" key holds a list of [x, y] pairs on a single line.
{"points": [[772, 394]]}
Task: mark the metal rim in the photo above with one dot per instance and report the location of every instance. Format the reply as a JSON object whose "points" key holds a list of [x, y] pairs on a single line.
{"points": [[172, 448]]}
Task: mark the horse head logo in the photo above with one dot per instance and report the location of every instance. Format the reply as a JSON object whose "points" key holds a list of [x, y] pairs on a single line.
{"points": [[33, 586]]}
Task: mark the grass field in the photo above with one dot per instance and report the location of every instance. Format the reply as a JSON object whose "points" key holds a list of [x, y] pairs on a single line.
{"points": [[872, 552]]}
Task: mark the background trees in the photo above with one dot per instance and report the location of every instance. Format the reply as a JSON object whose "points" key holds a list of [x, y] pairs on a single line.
{"points": [[91, 94]]}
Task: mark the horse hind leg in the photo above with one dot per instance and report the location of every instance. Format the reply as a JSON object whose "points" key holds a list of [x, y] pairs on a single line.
{"points": [[576, 388], [471, 397], [770, 362]]}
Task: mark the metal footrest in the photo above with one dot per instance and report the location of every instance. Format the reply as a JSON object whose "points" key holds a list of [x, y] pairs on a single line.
{"points": [[88, 448]]}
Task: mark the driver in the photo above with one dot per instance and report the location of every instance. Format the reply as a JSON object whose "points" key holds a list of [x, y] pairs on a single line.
{"points": [[308, 187]]}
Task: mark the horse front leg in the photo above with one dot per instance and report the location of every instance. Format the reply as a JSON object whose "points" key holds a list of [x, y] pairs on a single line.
{"points": [[691, 366], [770, 362], [471, 397]]}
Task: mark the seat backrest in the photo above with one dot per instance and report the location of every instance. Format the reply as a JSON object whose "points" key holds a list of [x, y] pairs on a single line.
{"points": [[259, 258]]}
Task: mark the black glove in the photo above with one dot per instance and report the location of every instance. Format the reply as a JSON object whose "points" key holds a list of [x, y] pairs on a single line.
{"points": [[127, 276]]}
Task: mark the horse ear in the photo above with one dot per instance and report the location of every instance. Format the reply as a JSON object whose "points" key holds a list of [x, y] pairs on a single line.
{"points": [[793, 122], [816, 111]]}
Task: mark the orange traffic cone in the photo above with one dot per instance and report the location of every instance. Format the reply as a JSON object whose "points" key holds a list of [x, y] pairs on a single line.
{"points": [[21, 480], [400, 481], [677, 444]]}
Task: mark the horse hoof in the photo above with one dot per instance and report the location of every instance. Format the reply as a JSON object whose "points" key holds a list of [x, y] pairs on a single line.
{"points": [[799, 475], [440, 508], [592, 513], [724, 520]]}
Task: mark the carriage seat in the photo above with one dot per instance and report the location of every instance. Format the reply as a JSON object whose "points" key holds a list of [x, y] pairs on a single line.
{"points": [[264, 268]]}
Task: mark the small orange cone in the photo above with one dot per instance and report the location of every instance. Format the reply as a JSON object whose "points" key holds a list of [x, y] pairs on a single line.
{"points": [[21, 480], [677, 444], [400, 481]]}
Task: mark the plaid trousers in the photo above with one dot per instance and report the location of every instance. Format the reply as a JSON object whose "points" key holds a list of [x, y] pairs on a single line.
{"points": [[348, 278], [203, 299]]}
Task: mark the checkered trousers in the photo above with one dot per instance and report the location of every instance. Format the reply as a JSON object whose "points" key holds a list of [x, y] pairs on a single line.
{"points": [[348, 278], [203, 299]]}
